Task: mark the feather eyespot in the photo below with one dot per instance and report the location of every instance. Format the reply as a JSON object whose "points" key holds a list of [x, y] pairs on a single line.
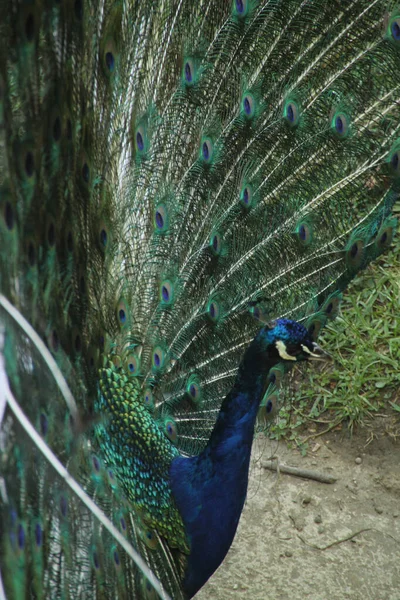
{"points": [[216, 244], [355, 254], [213, 311], [148, 398], [394, 161], [304, 233], [9, 216], [315, 325], [394, 28], [122, 312], [56, 129], [340, 124], [385, 235], [132, 365], [29, 164], [103, 237], [141, 139], [158, 358], [171, 430], [189, 72], [96, 464], [161, 219], [21, 536], [248, 106], [38, 535], [109, 53], [268, 407], [147, 590], [85, 172], [166, 292], [150, 538], [275, 375], [116, 557], [110, 61], [246, 196], [331, 305], [193, 389], [63, 505], [44, 424], [291, 113], [95, 560], [240, 8], [207, 150]]}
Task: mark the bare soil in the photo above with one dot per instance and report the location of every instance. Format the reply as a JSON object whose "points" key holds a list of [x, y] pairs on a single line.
{"points": [[299, 539]]}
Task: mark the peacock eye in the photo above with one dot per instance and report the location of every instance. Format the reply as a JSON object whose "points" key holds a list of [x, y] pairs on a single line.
{"points": [[293, 349]]}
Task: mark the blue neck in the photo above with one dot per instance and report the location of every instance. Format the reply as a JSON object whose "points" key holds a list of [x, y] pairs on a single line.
{"points": [[210, 489]]}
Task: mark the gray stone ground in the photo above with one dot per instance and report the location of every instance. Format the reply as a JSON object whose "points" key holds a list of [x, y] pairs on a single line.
{"points": [[270, 558]]}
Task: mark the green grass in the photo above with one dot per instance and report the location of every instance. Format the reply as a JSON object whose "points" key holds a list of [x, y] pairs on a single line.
{"points": [[364, 378]]}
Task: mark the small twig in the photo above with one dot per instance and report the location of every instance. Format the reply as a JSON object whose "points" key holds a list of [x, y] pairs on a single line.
{"points": [[305, 473], [345, 539], [315, 435], [305, 416]]}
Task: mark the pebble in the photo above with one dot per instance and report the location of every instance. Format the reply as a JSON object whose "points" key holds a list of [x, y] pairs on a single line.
{"points": [[288, 553], [379, 510], [358, 460], [306, 500], [395, 515], [321, 529], [317, 519], [298, 521]]}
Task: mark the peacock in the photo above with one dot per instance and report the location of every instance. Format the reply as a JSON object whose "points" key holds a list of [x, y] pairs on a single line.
{"points": [[186, 190]]}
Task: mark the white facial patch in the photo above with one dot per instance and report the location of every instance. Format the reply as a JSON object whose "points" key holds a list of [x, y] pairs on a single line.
{"points": [[305, 349], [313, 354], [281, 347]]}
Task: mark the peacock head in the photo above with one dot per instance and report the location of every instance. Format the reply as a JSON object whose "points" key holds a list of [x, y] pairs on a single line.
{"points": [[291, 341]]}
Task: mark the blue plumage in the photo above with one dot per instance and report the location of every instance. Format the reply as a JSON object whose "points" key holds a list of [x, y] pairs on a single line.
{"points": [[210, 489]]}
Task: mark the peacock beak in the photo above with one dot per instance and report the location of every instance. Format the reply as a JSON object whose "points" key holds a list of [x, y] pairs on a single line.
{"points": [[319, 354]]}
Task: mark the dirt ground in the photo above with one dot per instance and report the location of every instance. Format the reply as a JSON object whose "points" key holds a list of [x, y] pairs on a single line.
{"points": [[272, 557]]}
